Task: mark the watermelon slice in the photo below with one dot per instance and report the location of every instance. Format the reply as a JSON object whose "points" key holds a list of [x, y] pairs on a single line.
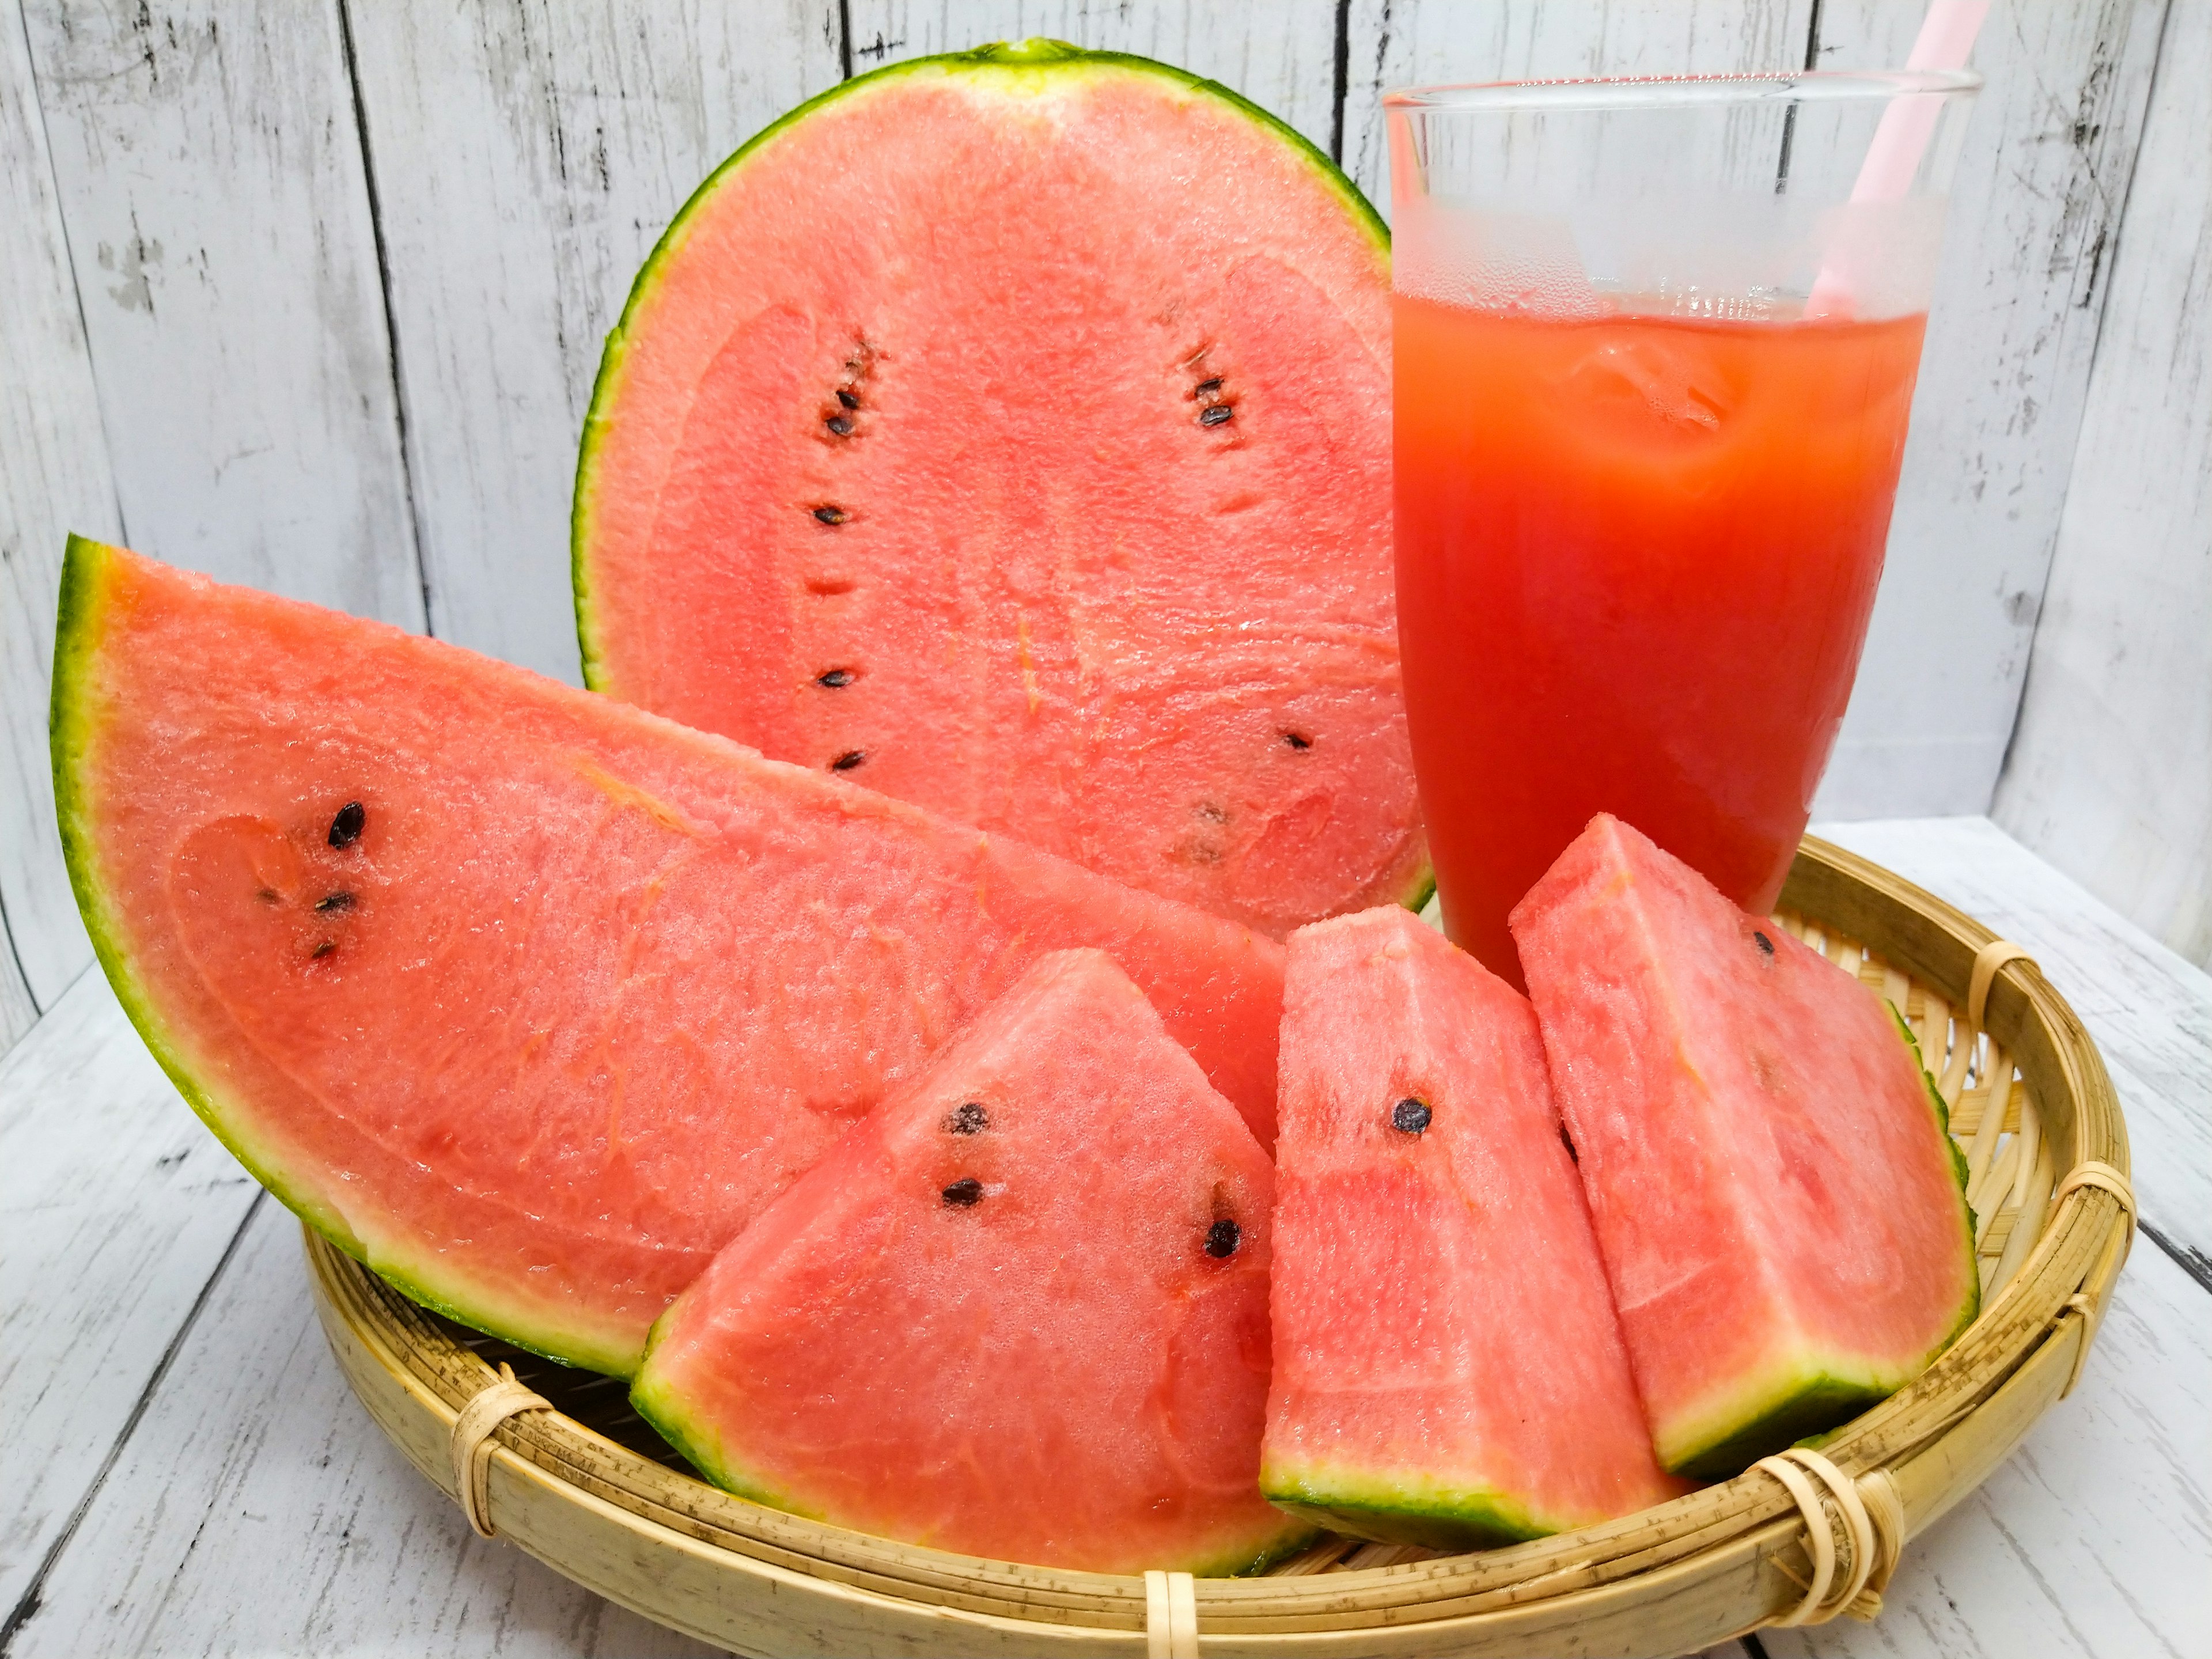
{"points": [[527, 998], [1779, 1201], [1010, 432], [1448, 1367], [1021, 1312]]}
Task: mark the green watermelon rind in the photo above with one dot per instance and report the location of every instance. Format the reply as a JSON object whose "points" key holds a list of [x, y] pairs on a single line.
{"points": [[1402, 1507], [1035, 55], [73, 717], [1807, 1399]]}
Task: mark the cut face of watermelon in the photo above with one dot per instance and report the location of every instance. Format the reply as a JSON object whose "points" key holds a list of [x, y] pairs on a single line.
{"points": [[1448, 1367], [1021, 1312], [1781, 1206], [1010, 432], [527, 998]]}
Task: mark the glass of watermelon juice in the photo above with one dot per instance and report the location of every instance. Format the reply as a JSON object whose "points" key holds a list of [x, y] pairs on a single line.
{"points": [[1655, 348]]}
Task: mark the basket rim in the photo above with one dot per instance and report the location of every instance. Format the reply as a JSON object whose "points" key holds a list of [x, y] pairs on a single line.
{"points": [[1926, 938]]}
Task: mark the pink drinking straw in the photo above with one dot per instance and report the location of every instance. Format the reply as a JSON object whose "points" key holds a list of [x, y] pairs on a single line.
{"points": [[1945, 42]]}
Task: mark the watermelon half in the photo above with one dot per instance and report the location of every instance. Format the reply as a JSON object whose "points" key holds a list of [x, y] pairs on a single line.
{"points": [[1780, 1203], [1020, 1311], [1448, 1367], [527, 998], [1010, 432]]}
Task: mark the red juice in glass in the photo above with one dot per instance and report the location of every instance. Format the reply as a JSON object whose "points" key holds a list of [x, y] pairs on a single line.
{"points": [[1655, 348], [1636, 558]]}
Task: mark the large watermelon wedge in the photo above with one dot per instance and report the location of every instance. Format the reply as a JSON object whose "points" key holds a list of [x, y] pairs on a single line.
{"points": [[1010, 432], [1449, 1370], [529, 999], [1780, 1204], [1020, 1311]]}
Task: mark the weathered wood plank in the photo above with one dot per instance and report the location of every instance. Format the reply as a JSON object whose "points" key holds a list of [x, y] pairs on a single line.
{"points": [[1283, 56], [2027, 264], [2110, 775], [1394, 43], [2095, 1538], [53, 478], [118, 1204], [2149, 1011], [256, 1509], [209, 172], [527, 155]]}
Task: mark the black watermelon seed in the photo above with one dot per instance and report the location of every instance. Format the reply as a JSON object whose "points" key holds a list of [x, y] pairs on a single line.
{"points": [[1213, 384], [1214, 414], [963, 1193], [1222, 1238], [323, 949], [840, 424], [335, 901], [1410, 1116], [835, 678], [968, 1120], [831, 514], [1568, 1141], [848, 398], [848, 760], [1762, 941], [266, 895], [1298, 740], [345, 829]]}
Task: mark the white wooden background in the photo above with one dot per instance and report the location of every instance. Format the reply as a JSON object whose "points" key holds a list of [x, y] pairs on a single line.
{"points": [[309, 294]]}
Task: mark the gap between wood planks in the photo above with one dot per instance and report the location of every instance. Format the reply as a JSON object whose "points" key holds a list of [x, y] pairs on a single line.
{"points": [[27, 1605]]}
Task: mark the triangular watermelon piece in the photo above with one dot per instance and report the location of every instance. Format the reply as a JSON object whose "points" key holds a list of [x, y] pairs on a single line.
{"points": [[1010, 430], [1448, 1367], [1780, 1204], [529, 999], [1021, 1312]]}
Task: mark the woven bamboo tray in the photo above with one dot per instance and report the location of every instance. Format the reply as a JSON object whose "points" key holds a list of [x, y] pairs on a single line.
{"points": [[588, 1489]]}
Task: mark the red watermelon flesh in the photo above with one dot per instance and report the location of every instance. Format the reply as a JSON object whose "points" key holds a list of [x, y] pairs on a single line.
{"points": [[1448, 1367], [1010, 431], [528, 998], [1779, 1202], [1021, 1312]]}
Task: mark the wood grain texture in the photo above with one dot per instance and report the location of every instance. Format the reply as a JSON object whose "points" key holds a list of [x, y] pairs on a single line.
{"points": [[2027, 263], [255, 1510], [118, 1204], [54, 478], [2110, 775], [2150, 1011], [527, 155], [210, 174], [1282, 56], [2095, 1539]]}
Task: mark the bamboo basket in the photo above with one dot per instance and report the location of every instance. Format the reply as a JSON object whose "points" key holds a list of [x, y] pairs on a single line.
{"points": [[584, 1486]]}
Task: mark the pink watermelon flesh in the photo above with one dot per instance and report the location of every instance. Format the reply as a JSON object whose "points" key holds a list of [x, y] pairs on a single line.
{"points": [[580, 992], [1021, 1312], [1779, 1199], [1448, 1367], [1011, 431]]}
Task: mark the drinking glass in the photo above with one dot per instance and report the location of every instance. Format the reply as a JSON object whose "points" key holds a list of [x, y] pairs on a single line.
{"points": [[1655, 348]]}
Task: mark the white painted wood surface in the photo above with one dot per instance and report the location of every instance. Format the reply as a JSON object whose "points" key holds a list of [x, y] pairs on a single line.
{"points": [[251, 1507], [54, 477], [2111, 773], [209, 173], [119, 1205], [2027, 264]]}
